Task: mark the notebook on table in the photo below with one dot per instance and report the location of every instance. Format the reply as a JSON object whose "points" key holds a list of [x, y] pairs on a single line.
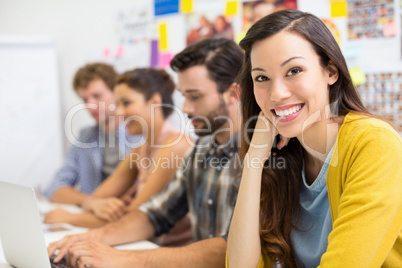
{"points": [[21, 228]]}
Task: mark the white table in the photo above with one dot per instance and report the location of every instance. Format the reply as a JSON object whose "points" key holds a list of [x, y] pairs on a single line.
{"points": [[45, 206]]}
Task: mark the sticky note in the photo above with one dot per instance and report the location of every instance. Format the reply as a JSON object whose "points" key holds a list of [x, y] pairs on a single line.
{"points": [[358, 77], [106, 52], [339, 9], [154, 53], [163, 42], [231, 8], [389, 29], [186, 5], [164, 59], [119, 51], [163, 7], [382, 20]]}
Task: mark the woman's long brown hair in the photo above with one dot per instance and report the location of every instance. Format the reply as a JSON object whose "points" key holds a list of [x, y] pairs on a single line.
{"points": [[279, 204]]}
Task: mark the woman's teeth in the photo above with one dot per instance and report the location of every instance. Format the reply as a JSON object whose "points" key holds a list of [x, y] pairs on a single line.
{"points": [[289, 111]]}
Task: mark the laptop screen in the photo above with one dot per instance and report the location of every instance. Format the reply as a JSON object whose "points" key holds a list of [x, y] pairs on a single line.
{"points": [[20, 227]]}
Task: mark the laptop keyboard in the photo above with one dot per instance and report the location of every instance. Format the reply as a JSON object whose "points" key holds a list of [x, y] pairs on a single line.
{"points": [[61, 264]]}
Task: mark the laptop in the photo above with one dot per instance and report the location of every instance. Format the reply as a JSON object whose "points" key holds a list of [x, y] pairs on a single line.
{"points": [[21, 232]]}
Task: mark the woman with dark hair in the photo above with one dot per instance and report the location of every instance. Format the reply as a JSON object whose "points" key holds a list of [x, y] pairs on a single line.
{"points": [[321, 177], [144, 100]]}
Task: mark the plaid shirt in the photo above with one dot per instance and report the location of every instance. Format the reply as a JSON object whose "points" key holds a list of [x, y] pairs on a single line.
{"points": [[204, 186]]}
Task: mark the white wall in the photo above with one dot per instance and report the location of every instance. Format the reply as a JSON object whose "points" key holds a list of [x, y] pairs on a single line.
{"points": [[78, 28]]}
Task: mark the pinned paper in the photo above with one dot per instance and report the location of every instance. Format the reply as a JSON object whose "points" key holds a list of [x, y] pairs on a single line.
{"points": [[164, 59], [389, 29], [163, 42], [186, 5], [339, 9], [231, 8], [120, 51], [358, 77], [154, 54]]}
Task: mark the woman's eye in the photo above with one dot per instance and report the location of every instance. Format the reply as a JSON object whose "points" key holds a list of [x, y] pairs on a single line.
{"points": [[294, 71], [261, 78], [126, 103]]}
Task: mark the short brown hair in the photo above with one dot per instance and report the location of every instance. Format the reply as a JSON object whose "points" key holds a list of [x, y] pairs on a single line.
{"points": [[92, 71], [222, 58]]}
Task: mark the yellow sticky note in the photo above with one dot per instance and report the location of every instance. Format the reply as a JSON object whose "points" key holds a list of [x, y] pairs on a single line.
{"points": [[339, 9], [358, 77], [186, 5], [382, 20], [231, 8], [163, 42]]}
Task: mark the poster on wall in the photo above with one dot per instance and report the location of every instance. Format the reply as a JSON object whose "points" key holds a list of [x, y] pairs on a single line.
{"points": [[134, 30], [400, 12], [382, 95], [255, 10], [371, 19], [217, 19], [207, 25]]}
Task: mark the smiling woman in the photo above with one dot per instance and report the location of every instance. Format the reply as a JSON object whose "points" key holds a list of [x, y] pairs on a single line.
{"points": [[324, 207]]}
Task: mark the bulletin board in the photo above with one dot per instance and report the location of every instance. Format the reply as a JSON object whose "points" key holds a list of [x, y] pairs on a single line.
{"points": [[30, 111], [368, 32], [374, 27]]}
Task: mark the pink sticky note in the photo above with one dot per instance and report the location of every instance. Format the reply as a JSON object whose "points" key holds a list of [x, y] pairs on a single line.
{"points": [[106, 52], [389, 29], [119, 51], [164, 59]]}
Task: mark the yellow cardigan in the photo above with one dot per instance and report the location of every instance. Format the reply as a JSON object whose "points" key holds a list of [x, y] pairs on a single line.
{"points": [[364, 182]]}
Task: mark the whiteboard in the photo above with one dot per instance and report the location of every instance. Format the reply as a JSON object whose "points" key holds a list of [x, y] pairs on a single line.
{"points": [[30, 111]]}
